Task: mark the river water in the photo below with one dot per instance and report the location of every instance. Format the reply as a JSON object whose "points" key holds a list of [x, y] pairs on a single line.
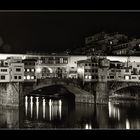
{"points": [[41, 113]]}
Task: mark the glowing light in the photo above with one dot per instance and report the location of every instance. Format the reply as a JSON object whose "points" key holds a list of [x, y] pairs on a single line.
{"points": [[50, 109], [28, 70], [79, 70], [127, 124], [38, 70], [28, 77], [86, 77], [43, 108], [126, 77], [88, 126], [32, 77], [60, 108], [31, 106], [51, 71], [26, 105], [90, 77], [24, 77], [37, 106]]}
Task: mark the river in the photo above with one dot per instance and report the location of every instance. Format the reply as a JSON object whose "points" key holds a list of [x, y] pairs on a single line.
{"points": [[41, 113]]}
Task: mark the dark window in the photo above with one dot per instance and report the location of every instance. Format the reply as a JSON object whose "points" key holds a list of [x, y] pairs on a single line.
{"points": [[127, 70], [96, 77], [92, 70], [18, 69], [19, 77], [111, 77], [3, 70], [92, 64], [25, 63], [86, 70], [15, 77], [96, 70], [85, 64], [89, 64], [2, 77], [133, 77]]}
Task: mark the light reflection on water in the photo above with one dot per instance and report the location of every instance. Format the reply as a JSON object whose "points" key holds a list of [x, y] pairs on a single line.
{"points": [[58, 114], [48, 113]]}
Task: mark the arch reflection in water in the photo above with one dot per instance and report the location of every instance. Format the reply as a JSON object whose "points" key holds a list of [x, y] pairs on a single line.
{"points": [[37, 106], [26, 105], [31, 103], [114, 112], [44, 108]]}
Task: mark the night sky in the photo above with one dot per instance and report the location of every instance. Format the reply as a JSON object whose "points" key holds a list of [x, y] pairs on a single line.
{"points": [[58, 31]]}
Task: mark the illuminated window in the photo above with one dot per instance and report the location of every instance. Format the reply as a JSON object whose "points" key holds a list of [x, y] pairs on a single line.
{"points": [[28, 70], [24, 77], [126, 77], [86, 77], [90, 77], [32, 70], [32, 77], [28, 77]]}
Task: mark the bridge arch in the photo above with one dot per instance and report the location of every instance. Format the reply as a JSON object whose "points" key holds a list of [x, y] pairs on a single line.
{"points": [[122, 85]]}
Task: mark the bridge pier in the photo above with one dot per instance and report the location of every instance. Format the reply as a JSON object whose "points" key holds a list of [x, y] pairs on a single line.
{"points": [[9, 94], [100, 90]]}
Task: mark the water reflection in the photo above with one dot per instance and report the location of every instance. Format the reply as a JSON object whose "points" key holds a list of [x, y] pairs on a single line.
{"points": [[31, 103], [127, 124], [50, 109], [50, 113], [26, 105], [37, 106], [44, 108], [114, 112], [88, 126]]}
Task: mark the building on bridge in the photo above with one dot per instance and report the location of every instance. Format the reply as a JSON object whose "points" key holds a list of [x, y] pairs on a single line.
{"points": [[29, 70], [93, 69], [11, 70]]}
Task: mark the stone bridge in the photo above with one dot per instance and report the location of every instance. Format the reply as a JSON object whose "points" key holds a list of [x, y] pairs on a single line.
{"points": [[100, 90], [118, 85], [50, 82]]}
